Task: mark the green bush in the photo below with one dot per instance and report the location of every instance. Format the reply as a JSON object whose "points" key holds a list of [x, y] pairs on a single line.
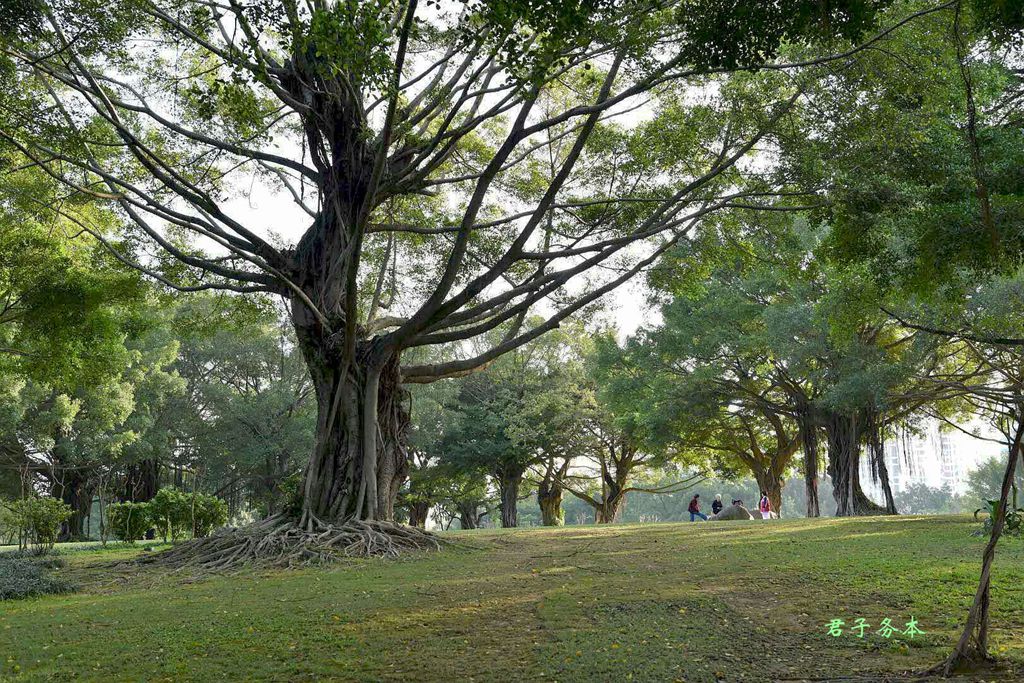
{"points": [[129, 522], [290, 490], [21, 576], [171, 510], [38, 521], [175, 513], [208, 513], [8, 523]]}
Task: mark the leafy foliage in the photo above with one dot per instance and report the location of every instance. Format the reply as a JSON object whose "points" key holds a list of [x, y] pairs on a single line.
{"points": [[129, 521], [39, 520], [171, 510]]}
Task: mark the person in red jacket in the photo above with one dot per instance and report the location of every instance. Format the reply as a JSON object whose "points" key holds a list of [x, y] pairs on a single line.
{"points": [[765, 506], [695, 508]]}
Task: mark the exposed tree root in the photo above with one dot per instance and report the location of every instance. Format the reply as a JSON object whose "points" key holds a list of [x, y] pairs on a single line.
{"points": [[281, 542]]}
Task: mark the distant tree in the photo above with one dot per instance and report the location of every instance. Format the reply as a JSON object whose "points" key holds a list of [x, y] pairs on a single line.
{"points": [[921, 499], [248, 416], [706, 393], [463, 495], [483, 436], [925, 204], [74, 433], [984, 482]]}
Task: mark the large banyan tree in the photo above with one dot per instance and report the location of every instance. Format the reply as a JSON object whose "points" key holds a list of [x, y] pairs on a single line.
{"points": [[452, 166]]}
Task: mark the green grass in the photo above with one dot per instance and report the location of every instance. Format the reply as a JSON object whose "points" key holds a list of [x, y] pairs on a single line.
{"points": [[691, 602]]}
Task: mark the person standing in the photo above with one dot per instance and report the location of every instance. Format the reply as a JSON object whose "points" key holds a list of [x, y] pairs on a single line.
{"points": [[716, 506], [765, 506], [695, 508]]}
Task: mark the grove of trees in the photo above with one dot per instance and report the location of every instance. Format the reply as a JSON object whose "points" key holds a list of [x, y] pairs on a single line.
{"points": [[341, 271]]}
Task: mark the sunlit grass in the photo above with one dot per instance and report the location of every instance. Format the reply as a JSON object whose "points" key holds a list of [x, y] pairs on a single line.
{"points": [[693, 602]]}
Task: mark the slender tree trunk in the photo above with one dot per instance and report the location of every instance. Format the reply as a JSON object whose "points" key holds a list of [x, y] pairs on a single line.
{"points": [[876, 453], [549, 497], [973, 643], [883, 479]]}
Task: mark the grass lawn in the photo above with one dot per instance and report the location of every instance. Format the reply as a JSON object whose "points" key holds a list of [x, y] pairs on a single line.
{"points": [[737, 601]]}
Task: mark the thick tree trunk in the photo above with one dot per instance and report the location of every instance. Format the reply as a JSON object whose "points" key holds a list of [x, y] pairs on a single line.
{"points": [[142, 480], [549, 497], [509, 480], [418, 513], [813, 506], [610, 509], [359, 455], [469, 515], [76, 491], [809, 441], [844, 467], [771, 484]]}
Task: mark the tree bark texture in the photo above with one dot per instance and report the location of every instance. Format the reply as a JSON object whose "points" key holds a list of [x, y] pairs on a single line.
{"points": [[844, 441], [549, 497], [359, 458], [509, 480], [809, 441]]}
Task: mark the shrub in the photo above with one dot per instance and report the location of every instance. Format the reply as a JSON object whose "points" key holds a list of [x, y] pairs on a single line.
{"points": [[8, 524], [290, 491], [129, 522], [39, 520], [175, 513], [171, 510], [21, 576], [208, 513]]}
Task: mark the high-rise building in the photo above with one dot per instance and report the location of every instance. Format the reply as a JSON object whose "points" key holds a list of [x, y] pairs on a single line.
{"points": [[935, 457]]}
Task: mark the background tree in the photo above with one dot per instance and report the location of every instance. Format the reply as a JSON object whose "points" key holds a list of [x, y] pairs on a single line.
{"points": [[926, 206], [250, 409]]}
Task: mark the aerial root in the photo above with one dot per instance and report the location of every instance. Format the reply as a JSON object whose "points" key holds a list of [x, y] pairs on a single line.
{"points": [[279, 542]]}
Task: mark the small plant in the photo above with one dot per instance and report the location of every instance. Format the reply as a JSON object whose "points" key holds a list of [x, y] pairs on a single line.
{"points": [[38, 521], [1014, 517], [129, 521]]}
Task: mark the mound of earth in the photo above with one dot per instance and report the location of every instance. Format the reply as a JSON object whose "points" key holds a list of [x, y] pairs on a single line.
{"points": [[730, 513]]}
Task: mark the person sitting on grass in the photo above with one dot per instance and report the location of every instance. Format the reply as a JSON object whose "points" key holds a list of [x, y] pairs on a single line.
{"points": [[695, 508], [716, 506]]}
